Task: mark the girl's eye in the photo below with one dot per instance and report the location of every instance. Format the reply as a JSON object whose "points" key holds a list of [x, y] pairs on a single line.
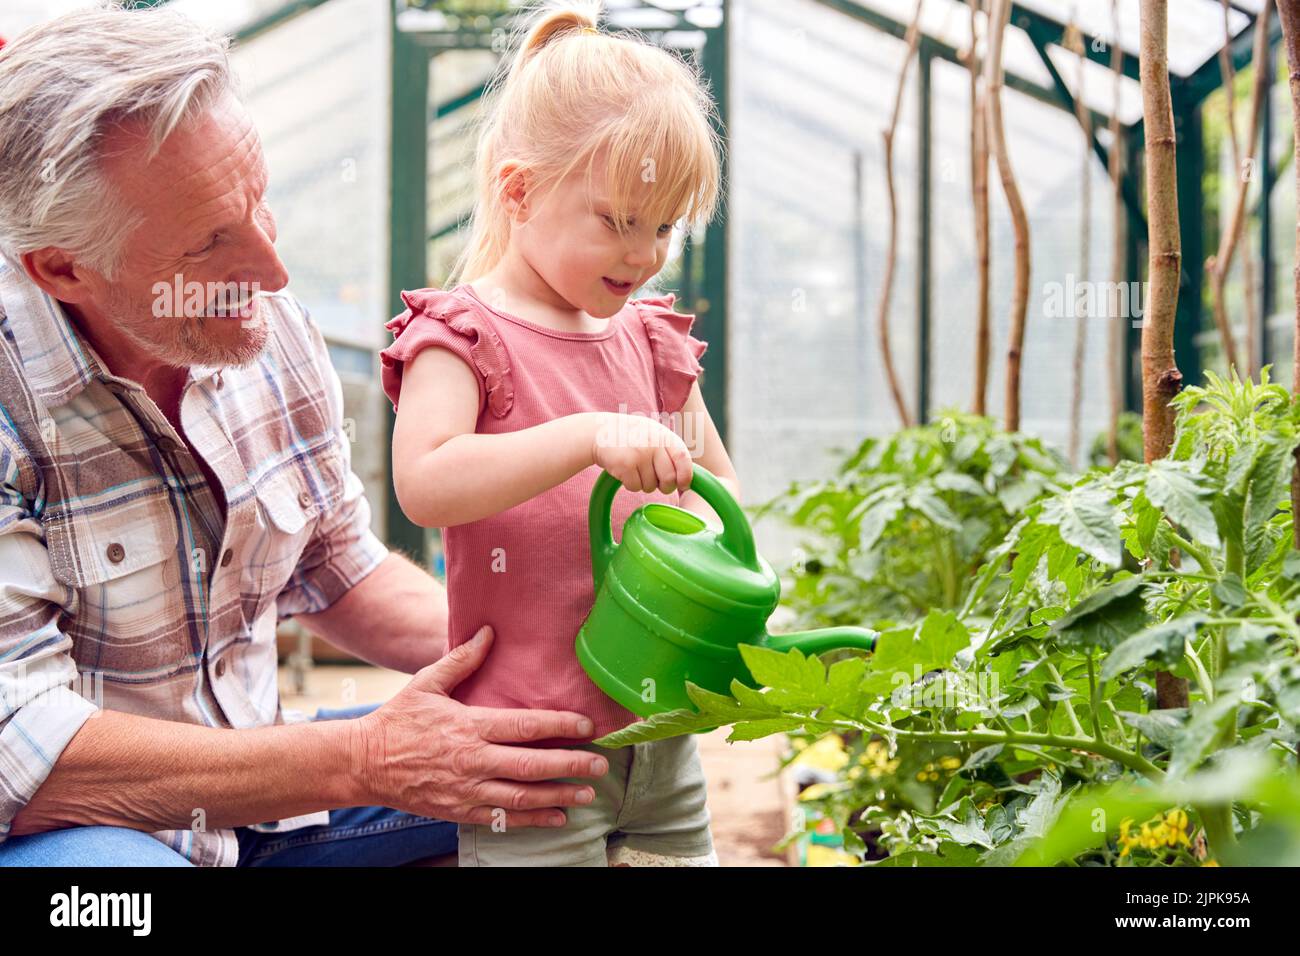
{"points": [[666, 229]]}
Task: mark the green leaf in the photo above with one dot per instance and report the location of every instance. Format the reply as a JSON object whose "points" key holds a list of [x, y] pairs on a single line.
{"points": [[877, 518], [1147, 519], [1197, 736], [798, 680], [1291, 565], [1162, 642], [1056, 691], [1230, 591], [755, 729], [1161, 727], [958, 482], [931, 646], [933, 507], [983, 756], [674, 723], [1177, 489], [1085, 518], [1105, 618]]}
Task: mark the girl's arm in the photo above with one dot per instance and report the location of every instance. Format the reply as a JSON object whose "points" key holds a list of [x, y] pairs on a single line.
{"points": [[707, 449], [445, 474]]}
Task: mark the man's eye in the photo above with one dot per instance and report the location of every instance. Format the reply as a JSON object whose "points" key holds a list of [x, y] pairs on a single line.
{"points": [[208, 248]]}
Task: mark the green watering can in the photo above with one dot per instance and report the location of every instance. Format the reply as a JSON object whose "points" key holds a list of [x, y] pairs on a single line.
{"points": [[676, 599]]}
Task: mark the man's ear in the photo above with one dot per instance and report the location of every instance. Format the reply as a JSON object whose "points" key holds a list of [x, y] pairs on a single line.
{"points": [[58, 274]]}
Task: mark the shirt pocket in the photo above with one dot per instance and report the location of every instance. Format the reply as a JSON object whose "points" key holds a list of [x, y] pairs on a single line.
{"points": [[292, 501], [128, 616]]}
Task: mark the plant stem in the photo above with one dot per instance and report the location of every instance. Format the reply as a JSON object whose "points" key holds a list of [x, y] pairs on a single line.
{"points": [[1202, 678], [1100, 748], [1096, 689], [1203, 559], [1069, 707]]}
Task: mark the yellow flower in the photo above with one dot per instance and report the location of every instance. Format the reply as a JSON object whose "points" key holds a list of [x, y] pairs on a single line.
{"points": [[826, 754], [950, 763]]}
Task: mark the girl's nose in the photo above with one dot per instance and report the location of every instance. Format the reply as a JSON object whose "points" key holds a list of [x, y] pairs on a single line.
{"points": [[641, 253]]}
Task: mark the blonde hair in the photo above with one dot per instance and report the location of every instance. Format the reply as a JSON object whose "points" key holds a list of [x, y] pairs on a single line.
{"points": [[572, 93]]}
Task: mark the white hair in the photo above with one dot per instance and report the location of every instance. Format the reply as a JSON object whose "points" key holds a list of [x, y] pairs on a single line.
{"points": [[63, 85]]}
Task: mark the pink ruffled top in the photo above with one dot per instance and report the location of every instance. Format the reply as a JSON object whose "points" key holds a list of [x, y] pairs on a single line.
{"points": [[527, 571]]}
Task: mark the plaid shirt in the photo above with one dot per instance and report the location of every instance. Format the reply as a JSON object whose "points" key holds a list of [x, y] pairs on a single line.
{"points": [[120, 585]]}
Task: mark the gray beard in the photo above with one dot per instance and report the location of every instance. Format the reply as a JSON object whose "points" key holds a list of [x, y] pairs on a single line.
{"points": [[187, 344]]}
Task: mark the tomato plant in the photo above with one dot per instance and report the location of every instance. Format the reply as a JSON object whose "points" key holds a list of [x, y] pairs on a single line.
{"points": [[1017, 712]]}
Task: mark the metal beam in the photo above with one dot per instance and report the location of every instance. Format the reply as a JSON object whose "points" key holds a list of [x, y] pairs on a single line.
{"points": [[1190, 146], [407, 246], [924, 60], [1054, 32], [1267, 181], [1208, 77], [943, 51], [1127, 190], [711, 308], [275, 18]]}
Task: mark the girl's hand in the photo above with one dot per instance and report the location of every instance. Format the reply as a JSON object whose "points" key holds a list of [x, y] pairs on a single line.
{"points": [[641, 453]]}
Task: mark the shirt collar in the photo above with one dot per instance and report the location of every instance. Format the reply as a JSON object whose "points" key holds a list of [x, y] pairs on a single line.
{"points": [[57, 360]]}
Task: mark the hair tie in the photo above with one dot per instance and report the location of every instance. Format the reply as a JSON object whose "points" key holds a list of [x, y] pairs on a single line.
{"points": [[591, 30]]}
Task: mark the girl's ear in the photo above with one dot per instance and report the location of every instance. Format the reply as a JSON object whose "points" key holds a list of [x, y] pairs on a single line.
{"points": [[514, 189]]}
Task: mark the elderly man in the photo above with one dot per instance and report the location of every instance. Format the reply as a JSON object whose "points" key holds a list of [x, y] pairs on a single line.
{"points": [[173, 480]]}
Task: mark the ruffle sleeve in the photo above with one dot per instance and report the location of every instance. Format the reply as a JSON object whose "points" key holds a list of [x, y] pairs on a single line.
{"points": [[437, 318], [676, 352]]}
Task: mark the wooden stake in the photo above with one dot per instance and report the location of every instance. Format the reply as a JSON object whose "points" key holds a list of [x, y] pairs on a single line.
{"points": [[1161, 379], [1001, 13], [912, 38]]}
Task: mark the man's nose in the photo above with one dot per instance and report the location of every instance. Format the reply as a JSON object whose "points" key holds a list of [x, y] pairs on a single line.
{"points": [[262, 263]]}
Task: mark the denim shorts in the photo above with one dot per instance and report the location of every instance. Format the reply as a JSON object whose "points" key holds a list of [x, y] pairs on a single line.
{"points": [[651, 801]]}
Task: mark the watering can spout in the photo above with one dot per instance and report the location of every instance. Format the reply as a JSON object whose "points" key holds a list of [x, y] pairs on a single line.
{"points": [[824, 639]]}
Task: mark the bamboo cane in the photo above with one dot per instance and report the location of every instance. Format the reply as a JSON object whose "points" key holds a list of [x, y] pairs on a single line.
{"points": [[912, 38], [1001, 13], [1161, 379]]}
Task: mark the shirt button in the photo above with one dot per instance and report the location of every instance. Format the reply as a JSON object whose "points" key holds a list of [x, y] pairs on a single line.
{"points": [[227, 558], [304, 499], [116, 553], [221, 667]]}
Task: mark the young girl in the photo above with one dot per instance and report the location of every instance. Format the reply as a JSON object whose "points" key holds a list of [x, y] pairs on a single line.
{"points": [[536, 371]]}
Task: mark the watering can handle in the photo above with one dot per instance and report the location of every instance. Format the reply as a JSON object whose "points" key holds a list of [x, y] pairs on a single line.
{"points": [[737, 537]]}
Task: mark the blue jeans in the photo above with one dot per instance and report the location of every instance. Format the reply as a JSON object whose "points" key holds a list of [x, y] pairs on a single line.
{"points": [[355, 836]]}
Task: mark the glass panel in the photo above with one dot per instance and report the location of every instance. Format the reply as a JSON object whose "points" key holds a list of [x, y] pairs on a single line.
{"points": [[315, 88], [1046, 147], [811, 92]]}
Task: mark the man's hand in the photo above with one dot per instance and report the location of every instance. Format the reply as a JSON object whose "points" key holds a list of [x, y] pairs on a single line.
{"points": [[429, 755]]}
